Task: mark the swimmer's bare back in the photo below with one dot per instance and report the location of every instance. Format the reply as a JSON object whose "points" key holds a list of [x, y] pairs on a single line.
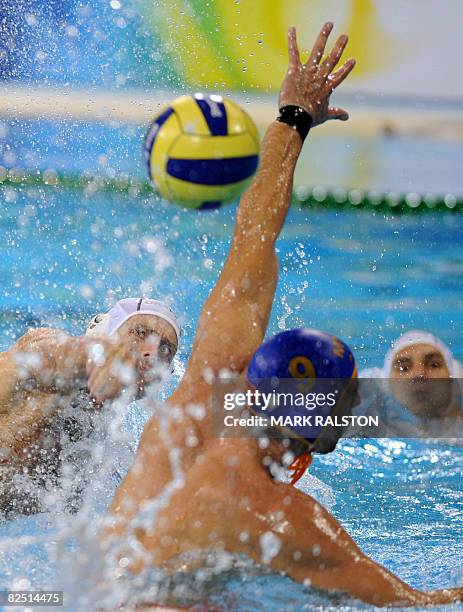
{"points": [[226, 499]]}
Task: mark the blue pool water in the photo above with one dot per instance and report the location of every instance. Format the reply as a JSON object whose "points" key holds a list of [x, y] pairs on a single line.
{"points": [[66, 254], [363, 275], [395, 163]]}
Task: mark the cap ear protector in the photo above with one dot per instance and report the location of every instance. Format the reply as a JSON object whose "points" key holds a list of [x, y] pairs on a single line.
{"points": [[329, 437], [94, 321], [97, 325]]}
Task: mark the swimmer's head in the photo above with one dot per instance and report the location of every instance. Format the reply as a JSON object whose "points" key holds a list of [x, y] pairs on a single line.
{"points": [[109, 323], [420, 367], [150, 326], [307, 356], [302, 353]]}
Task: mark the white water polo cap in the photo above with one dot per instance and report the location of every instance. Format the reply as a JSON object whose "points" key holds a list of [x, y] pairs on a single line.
{"points": [[420, 337], [107, 324]]}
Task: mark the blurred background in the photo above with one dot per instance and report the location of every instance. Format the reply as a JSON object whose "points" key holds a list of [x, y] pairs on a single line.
{"points": [[119, 60], [405, 51]]}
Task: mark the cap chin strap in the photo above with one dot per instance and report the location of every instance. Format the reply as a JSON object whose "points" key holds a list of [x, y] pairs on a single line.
{"points": [[299, 466], [303, 450]]}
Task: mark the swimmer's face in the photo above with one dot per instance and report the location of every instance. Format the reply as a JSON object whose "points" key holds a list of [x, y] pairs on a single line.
{"points": [[419, 361], [155, 340], [420, 380]]}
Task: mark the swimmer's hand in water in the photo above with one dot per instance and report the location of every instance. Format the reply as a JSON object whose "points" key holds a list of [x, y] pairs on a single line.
{"points": [[111, 367], [444, 596], [310, 85]]}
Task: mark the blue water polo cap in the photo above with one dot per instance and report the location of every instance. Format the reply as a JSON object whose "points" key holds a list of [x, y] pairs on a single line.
{"points": [[305, 373], [302, 353]]}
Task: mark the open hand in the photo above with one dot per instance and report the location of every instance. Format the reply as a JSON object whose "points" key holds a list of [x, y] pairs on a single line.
{"points": [[310, 85]]}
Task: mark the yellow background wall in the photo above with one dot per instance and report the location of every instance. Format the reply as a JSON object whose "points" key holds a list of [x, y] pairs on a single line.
{"points": [[405, 48]]}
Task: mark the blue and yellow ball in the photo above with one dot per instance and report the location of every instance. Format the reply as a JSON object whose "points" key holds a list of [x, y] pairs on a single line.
{"points": [[202, 151]]}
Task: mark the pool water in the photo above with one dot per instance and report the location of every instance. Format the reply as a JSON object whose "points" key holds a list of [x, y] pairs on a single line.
{"points": [[364, 275], [400, 164], [67, 254]]}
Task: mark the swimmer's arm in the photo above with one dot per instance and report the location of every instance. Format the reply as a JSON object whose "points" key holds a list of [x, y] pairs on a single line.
{"points": [[41, 360], [9, 382], [234, 319], [51, 358], [23, 412], [316, 550], [235, 316], [56, 361]]}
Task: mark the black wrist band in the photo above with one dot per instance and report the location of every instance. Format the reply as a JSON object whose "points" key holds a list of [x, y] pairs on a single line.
{"points": [[297, 117]]}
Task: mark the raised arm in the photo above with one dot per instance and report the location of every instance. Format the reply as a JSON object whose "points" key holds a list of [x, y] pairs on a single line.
{"points": [[235, 316]]}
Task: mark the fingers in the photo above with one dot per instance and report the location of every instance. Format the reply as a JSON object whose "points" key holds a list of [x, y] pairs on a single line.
{"points": [[335, 55], [294, 58], [334, 112], [320, 44], [336, 78]]}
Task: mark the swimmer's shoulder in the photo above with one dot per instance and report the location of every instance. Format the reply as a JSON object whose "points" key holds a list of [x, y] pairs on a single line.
{"points": [[188, 426], [10, 380]]}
